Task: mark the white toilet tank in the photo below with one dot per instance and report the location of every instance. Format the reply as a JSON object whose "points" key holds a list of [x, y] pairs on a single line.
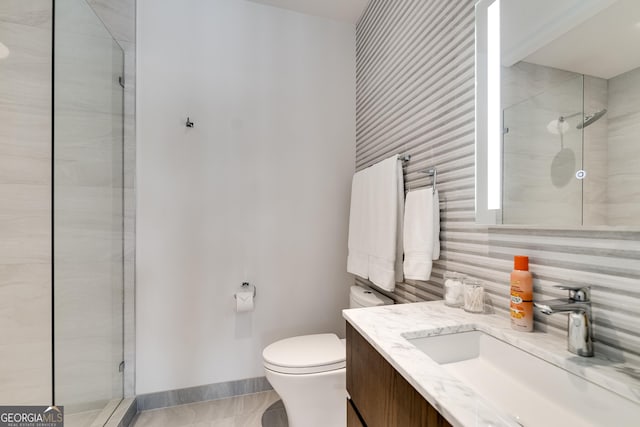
{"points": [[366, 297]]}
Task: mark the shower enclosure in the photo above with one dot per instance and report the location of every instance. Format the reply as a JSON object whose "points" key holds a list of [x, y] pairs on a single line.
{"points": [[61, 210], [87, 215]]}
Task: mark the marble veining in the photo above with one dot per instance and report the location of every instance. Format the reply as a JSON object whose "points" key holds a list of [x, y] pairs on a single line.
{"points": [[388, 328]]}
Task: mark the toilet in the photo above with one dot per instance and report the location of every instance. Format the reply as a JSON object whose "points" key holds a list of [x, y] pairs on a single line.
{"points": [[309, 374]]}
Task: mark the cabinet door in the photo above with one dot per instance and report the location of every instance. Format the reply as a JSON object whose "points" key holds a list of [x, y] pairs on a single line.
{"points": [[369, 380], [381, 395], [353, 420]]}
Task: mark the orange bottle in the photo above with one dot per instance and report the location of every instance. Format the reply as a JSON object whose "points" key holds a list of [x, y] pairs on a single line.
{"points": [[521, 295]]}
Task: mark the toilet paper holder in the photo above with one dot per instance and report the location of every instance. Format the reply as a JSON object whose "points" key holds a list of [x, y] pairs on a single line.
{"points": [[244, 286]]}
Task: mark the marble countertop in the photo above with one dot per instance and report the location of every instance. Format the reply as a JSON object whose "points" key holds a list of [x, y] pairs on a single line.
{"points": [[387, 329]]}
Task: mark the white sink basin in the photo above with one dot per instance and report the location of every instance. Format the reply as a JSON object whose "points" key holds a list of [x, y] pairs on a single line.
{"points": [[533, 391]]}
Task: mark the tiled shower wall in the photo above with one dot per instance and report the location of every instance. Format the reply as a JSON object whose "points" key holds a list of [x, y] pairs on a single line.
{"points": [[415, 94], [25, 202], [624, 150]]}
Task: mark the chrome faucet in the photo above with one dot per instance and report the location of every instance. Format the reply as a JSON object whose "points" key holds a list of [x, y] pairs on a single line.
{"points": [[578, 305]]}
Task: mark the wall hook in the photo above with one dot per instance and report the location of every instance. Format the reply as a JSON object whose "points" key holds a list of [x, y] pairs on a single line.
{"points": [[189, 123]]}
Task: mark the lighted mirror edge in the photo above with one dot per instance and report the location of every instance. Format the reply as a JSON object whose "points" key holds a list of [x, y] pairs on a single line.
{"points": [[494, 113], [482, 213]]}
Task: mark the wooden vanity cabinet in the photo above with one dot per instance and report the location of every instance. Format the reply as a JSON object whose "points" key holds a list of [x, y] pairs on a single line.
{"points": [[380, 396], [353, 419]]}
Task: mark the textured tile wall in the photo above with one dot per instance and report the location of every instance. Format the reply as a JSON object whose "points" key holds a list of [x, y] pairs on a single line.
{"points": [[415, 94]]}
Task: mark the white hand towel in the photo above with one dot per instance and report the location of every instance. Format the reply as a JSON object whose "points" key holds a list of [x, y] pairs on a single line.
{"points": [[421, 233], [358, 256], [383, 210]]}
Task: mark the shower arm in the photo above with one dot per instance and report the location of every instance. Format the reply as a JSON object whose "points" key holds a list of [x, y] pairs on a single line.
{"points": [[563, 118]]}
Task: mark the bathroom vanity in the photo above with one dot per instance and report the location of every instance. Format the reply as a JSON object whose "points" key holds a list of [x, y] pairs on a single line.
{"points": [[380, 396], [426, 364]]}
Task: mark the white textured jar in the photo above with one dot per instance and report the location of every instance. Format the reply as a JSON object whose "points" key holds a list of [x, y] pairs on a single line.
{"points": [[453, 289]]}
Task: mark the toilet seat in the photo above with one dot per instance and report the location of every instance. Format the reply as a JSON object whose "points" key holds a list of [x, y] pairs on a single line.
{"points": [[306, 354]]}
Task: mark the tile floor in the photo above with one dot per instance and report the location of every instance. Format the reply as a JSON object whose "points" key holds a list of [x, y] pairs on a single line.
{"points": [[81, 419], [263, 409]]}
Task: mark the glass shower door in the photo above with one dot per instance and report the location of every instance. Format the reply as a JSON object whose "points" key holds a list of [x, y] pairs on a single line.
{"points": [[88, 215]]}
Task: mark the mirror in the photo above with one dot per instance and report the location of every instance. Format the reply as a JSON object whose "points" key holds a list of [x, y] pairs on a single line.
{"points": [[558, 112]]}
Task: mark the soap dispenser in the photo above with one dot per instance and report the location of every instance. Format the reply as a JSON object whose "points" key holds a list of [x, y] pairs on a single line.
{"points": [[521, 305]]}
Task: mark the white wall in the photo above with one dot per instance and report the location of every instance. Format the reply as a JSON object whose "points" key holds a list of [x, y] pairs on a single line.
{"points": [[258, 190]]}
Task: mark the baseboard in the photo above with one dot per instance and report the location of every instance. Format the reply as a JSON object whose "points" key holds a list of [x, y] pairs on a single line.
{"points": [[164, 399]]}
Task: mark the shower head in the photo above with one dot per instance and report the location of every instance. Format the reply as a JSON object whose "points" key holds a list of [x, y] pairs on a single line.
{"points": [[591, 118]]}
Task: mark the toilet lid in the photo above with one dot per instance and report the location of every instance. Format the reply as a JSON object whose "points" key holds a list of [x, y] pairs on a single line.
{"points": [[305, 354]]}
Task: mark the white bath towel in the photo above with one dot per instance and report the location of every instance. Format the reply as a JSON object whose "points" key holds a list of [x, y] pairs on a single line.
{"points": [[358, 256], [384, 206], [421, 233]]}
